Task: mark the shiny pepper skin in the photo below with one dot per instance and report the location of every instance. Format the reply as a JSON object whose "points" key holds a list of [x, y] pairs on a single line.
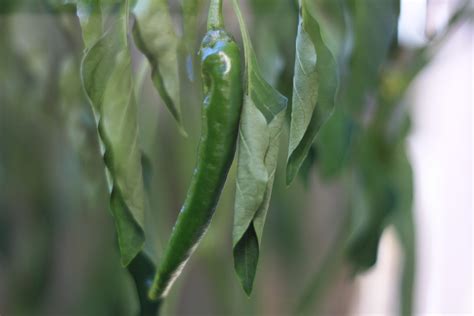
{"points": [[223, 93]]}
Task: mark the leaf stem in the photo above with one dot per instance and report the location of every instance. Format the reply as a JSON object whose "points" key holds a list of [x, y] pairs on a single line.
{"points": [[215, 19], [314, 292]]}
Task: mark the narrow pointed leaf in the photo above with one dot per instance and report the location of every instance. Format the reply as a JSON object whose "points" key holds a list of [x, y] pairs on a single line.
{"points": [[260, 128], [190, 12], [155, 36], [314, 88], [106, 77]]}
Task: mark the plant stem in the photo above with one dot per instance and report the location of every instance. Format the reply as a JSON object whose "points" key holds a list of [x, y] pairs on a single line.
{"points": [[215, 19], [142, 271], [314, 292]]}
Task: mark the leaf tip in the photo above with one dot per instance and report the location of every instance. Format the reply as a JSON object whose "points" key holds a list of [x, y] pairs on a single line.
{"points": [[290, 172], [182, 131], [246, 253], [248, 287]]}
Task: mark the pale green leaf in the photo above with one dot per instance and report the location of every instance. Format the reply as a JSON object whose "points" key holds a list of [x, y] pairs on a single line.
{"points": [[107, 80], [190, 11], [262, 120], [90, 17], [333, 19], [155, 36], [314, 88]]}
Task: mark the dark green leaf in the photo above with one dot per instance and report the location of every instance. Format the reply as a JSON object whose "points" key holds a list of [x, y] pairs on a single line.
{"points": [[314, 88], [373, 199], [246, 254], [333, 143], [374, 26], [260, 128], [155, 36], [107, 80]]}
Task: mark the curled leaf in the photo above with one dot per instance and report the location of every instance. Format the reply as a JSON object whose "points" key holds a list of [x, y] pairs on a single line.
{"points": [[107, 80], [315, 84], [262, 120]]}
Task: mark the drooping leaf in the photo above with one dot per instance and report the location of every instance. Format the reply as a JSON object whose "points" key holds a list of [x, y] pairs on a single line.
{"points": [[155, 36], [333, 143], [374, 24], [314, 88], [191, 10], [260, 128], [107, 80], [373, 201], [91, 19]]}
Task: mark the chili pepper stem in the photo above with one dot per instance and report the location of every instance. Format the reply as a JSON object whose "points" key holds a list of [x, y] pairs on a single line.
{"points": [[215, 19]]}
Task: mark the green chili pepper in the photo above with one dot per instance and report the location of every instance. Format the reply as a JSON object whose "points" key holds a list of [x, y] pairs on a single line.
{"points": [[223, 93]]}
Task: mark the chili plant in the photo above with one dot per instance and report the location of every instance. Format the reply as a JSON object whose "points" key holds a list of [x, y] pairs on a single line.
{"points": [[301, 91]]}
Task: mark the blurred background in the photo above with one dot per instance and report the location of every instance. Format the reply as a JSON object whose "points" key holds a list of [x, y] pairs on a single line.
{"points": [[58, 253]]}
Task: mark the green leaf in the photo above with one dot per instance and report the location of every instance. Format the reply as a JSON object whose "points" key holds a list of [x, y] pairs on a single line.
{"points": [[190, 11], [333, 18], [246, 254], [374, 24], [107, 80], [155, 36], [261, 124], [314, 88], [373, 197], [90, 17], [333, 143]]}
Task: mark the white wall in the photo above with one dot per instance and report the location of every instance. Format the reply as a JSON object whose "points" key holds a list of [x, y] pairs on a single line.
{"points": [[441, 147]]}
